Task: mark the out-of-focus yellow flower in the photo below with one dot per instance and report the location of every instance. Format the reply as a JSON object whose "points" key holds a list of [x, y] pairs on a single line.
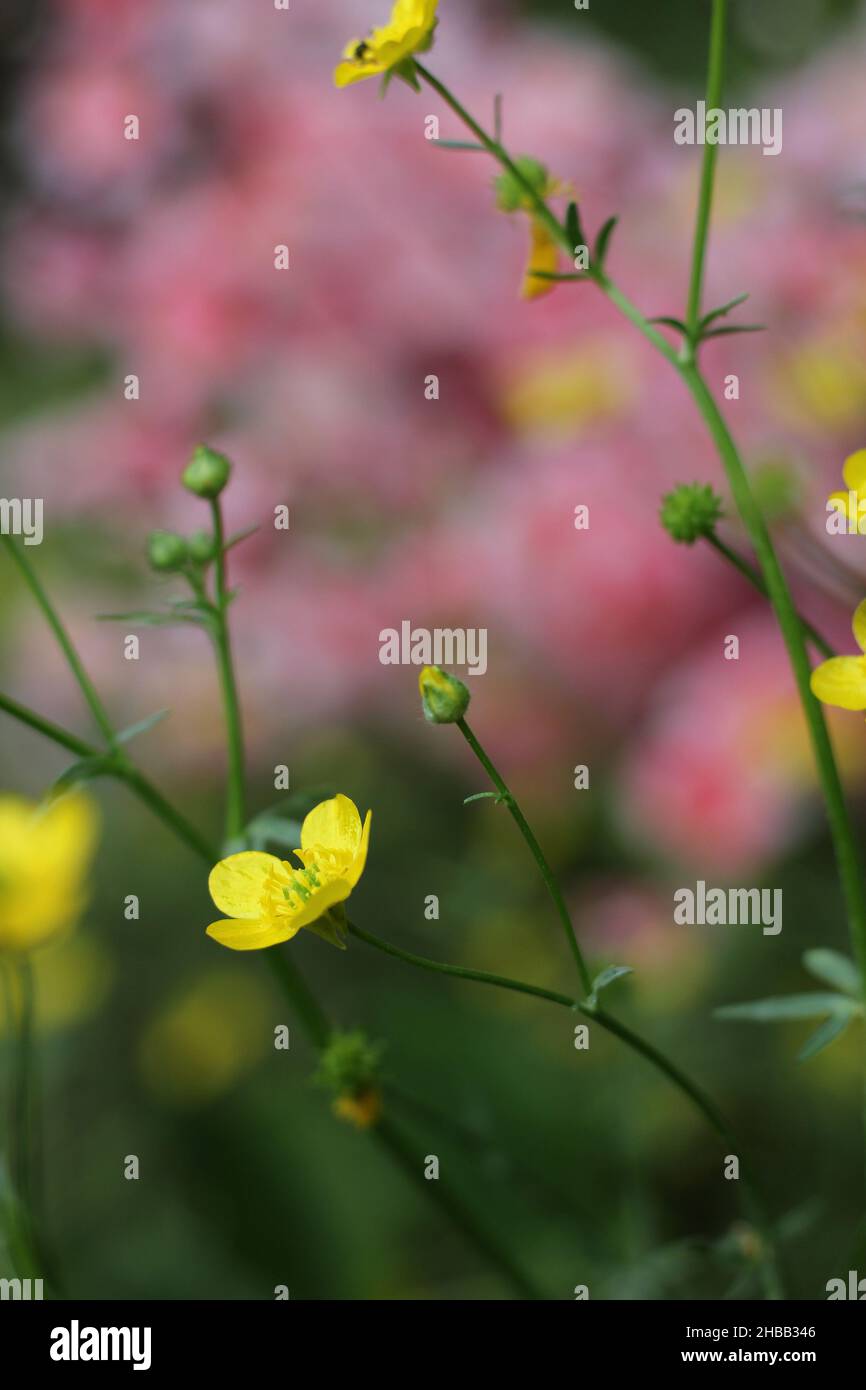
{"points": [[842, 680], [544, 256], [852, 504], [205, 1040], [45, 854], [561, 394], [512, 196], [386, 50], [361, 1110], [71, 977], [268, 900], [822, 383]]}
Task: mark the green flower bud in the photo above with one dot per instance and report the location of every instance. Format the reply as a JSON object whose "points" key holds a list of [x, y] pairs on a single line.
{"points": [[207, 472], [690, 511], [349, 1065], [510, 192], [202, 547], [444, 697], [166, 551]]}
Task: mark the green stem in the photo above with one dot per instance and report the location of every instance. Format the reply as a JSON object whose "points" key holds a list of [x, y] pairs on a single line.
{"points": [[235, 798], [315, 1021], [459, 972], [715, 81], [683, 1083], [54, 732], [163, 809], [847, 856], [841, 830], [754, 577], [535, 850], [64, 641], [409, 1158]]}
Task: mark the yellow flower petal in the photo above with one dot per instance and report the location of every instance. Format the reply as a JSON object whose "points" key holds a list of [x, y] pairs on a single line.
{"points": [[841, 681], [240, 935], [237, 884], [333, 825], [854, 470], [858, 623], [356, 868], [543, 255]]}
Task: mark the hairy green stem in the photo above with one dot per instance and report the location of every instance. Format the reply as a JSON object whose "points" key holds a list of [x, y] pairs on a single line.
{"points": [[754, 577], [534, 849], [235, 795]]}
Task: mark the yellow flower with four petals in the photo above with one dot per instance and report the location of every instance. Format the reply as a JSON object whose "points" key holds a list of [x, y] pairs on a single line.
{"points": [[267, 900], [389, 49]]}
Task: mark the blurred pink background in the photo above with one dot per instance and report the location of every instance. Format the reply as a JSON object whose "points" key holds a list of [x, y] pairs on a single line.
{"points": [[605, 646]]}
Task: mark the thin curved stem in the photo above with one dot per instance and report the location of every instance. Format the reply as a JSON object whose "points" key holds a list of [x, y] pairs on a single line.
{"points": [[535, 850], [699, 1098], [459, 972], [409, 1158], [235, 794], [844, 844], [754, 577], [64, 641]]}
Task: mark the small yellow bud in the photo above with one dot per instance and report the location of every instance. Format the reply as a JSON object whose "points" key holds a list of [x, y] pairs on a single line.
{"points": [[445, 699]]}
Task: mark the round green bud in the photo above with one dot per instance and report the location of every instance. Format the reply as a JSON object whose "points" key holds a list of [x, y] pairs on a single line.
{"points": [[349, 1063], [511, 193], [166, 551], [202, 547], [207, 472], [692, 510], [444, 698]]}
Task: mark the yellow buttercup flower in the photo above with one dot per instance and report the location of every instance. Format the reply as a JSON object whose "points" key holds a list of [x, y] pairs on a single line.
{"points": [[389, 49], [841, 681], [852, 504], [45, 853], [268, 900]]}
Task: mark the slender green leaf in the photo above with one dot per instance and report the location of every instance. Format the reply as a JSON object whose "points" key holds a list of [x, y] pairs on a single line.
{"points": [[146, 618], [734, 328], [788, 1006], [573, 227], [497, 117], [607, 976], [830, 1030], [671, 323], [142, 726], [724, 309], [832, 968], [554, 275], [458, 145], [599, 255], [86, 770]]}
